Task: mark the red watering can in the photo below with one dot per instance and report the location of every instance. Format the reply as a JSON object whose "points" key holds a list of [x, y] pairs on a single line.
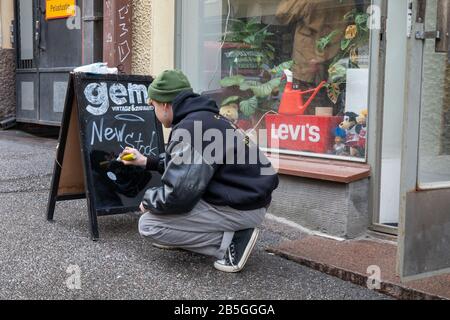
{"points": [[292, 102]]}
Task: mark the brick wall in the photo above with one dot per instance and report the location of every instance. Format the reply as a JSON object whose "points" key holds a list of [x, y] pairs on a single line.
{"points": [[7, 83]]}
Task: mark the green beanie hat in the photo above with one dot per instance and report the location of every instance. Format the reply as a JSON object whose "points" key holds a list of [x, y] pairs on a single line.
{"points": [[168, 85]]}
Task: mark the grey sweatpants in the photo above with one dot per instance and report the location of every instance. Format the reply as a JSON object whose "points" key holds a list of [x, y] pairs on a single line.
{"points": [[207, 229]]}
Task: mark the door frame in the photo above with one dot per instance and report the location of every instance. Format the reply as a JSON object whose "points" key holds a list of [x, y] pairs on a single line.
{"points": [[411, 136], [375, 126], [33, 69]]}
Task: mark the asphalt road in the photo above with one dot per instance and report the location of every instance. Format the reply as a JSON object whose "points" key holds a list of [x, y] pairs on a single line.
{"points": [[37, 258]]}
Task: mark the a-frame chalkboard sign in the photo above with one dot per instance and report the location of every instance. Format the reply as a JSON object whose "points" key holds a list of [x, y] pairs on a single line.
{"points": [[103, 114]]}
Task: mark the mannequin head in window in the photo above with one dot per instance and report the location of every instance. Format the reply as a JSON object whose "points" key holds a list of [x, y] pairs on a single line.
{"points": [[313, 20]]}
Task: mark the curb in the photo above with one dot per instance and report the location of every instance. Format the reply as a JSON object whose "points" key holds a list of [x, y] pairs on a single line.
{"points": [[388, 288]]}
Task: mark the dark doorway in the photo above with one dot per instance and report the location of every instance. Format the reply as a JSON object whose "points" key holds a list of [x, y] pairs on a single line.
{"points": [[47, 50]]}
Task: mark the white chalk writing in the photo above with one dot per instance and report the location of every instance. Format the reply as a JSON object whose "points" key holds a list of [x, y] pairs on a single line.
{"points": [[124, 50], [99, 133], [123, 44], [108, 134], [98, 95]]}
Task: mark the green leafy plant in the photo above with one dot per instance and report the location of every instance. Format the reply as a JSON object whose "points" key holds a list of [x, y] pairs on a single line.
{"points": [[355, 36], [261, 92], [248, 40]]}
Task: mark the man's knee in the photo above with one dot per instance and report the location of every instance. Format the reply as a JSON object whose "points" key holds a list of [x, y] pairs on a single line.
{"points": [[147, 227]]}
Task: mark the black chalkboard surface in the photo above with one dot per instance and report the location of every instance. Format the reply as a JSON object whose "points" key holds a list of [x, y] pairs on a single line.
{"points": [[103, 115]]}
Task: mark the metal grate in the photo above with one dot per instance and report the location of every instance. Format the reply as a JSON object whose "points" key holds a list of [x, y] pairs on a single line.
{"points": [[28, 61], [25, 64]]}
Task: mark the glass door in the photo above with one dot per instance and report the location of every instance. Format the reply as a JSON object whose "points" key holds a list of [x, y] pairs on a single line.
{"points": [[434, 139], [392, 118], [424, 240]]}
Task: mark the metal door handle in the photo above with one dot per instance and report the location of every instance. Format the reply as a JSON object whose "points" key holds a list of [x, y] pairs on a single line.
{"points": [[423, 35], [37, 29]]}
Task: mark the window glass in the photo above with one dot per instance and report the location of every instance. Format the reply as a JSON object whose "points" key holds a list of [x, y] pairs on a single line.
{"points": [[297, 68], [26, 29], [434, 147]]}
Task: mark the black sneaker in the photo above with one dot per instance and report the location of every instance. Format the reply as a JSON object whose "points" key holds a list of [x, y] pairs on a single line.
{"points": [[238, 252]]}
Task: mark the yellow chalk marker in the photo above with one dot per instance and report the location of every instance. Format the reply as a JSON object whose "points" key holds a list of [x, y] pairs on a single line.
{"points": [[128, 157]]}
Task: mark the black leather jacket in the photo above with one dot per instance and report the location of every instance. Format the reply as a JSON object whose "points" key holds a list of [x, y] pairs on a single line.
{"points": [[188, 176]]}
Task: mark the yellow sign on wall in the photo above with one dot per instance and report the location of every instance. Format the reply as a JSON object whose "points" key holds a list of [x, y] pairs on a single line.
{"points": [[57, 9]]}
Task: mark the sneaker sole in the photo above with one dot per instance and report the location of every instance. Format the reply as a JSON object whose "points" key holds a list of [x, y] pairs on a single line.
{"points": [[246, 255], [163, 247]]}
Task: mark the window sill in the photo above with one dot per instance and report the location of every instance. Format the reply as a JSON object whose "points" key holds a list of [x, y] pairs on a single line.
{"points": [[320, 169]]}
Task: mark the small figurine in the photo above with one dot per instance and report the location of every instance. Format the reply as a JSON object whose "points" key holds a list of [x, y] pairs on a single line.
{"points": [[339, 142], [231, 112], [361, 129], [352, 137]]}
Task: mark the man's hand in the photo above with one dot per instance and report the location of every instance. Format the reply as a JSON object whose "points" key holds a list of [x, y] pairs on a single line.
{"points": [[143, 210], [139, 161]]}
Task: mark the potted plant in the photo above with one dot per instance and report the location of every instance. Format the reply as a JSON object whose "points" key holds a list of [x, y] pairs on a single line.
{"points": [[246, 48]]}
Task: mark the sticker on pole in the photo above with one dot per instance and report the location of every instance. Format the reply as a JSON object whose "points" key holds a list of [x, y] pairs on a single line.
{"points": [[58, 9]]}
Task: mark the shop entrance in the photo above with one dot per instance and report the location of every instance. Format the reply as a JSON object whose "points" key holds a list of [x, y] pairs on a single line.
{"points": [[48, 48], [386, 166], [424, 226]]}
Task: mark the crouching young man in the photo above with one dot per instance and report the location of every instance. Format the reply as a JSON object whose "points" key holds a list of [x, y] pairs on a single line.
{"points": [[210, 202]]}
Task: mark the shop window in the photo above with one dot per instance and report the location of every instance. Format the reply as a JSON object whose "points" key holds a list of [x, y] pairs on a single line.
{"points": [[297, 68]]}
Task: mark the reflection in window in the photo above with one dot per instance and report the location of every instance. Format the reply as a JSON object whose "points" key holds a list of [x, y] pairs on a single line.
{"points": [[298, 68], [434, 159]]}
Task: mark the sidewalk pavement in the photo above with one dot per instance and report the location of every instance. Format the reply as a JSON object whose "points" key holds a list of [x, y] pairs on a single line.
{"points": [[351, 261], [37, 258], [35, 254]]}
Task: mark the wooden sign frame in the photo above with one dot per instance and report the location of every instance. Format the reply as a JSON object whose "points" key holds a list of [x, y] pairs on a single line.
{"points": [[71, 179]]}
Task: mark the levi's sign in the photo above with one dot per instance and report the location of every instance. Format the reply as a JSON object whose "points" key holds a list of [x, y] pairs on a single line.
{"points": [[298, 132], [302, 133]]}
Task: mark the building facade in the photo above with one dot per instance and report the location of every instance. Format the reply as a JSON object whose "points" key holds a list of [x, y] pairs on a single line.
{"points": [[359, 127]]}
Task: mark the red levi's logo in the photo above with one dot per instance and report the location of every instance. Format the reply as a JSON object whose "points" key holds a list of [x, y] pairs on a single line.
{"points": [[301, 133]]}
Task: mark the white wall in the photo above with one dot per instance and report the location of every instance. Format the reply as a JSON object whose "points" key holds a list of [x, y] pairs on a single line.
{"points": [[163, 35], [6, 16]]}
